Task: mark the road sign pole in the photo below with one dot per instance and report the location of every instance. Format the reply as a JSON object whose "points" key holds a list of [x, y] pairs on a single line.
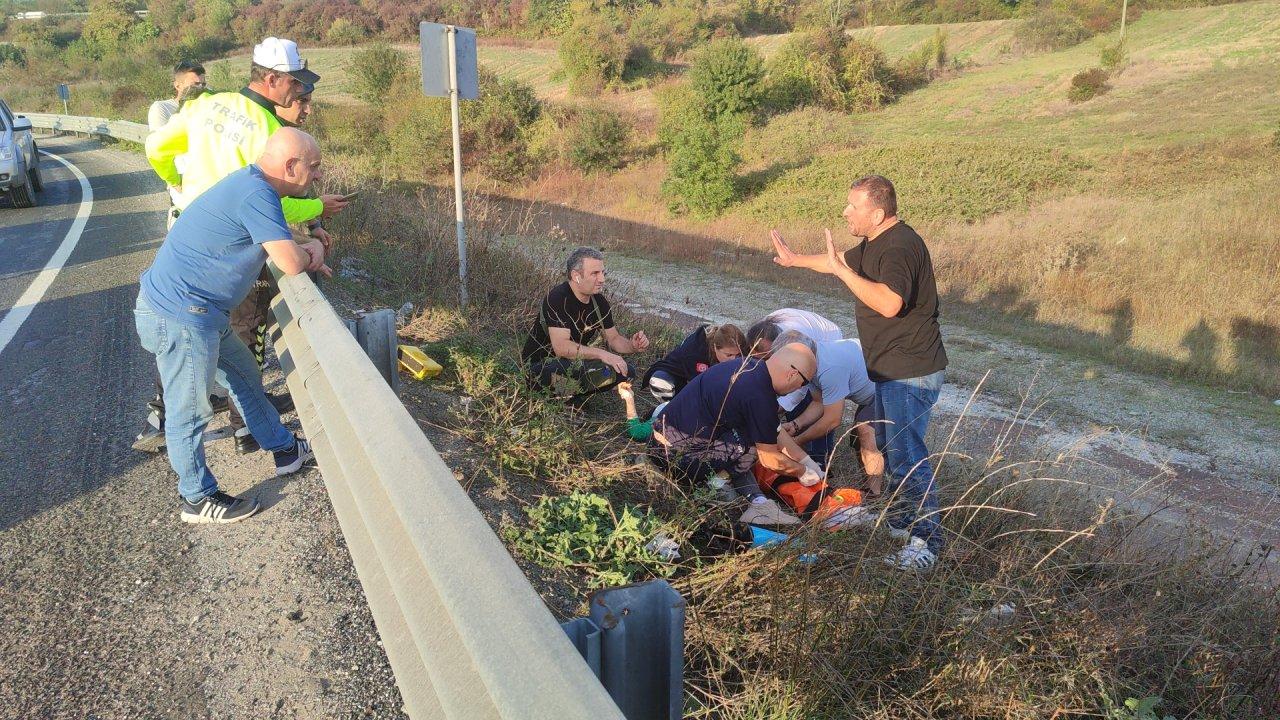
{"points": [[65, 111], [457, 165]]}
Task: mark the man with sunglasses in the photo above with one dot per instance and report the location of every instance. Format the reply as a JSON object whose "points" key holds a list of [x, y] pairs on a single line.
{"points": [[891, 277], [221, 133], [726, 419]]}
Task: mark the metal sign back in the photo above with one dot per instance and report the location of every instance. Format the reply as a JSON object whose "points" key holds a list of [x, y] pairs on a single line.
{"points": [[64, 92], [434, 45]]}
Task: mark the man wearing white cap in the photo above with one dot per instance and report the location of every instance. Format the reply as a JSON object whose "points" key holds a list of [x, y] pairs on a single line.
{"points": [[222, 133]]}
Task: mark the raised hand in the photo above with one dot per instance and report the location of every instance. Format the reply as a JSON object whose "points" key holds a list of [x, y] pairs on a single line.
{"points": [[639, 341], [785, 256], [835, 260]]}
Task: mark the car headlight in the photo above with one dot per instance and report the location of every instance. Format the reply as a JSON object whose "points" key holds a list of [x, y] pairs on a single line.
{"points": [[6, 152]]}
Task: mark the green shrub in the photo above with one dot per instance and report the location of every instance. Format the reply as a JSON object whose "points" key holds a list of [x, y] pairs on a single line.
{"points": [[1058, 24], [1113, 57], [11, 54], [495, 129], [840, 73], [375, 69], [866, 76], [599, 140], [1052, 28], [938, 46], [550, 17], [344, 32], [496, 126], [1088, 84], [804, 72], [584, 531], [665, 30], [728, 75], [702, 157], [594, 53]]}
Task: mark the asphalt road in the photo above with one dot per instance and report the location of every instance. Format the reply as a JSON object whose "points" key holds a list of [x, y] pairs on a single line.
{"points": [[111, 606]]}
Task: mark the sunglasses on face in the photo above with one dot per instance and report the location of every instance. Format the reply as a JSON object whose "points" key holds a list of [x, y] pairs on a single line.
{"points": [[802, 377]]}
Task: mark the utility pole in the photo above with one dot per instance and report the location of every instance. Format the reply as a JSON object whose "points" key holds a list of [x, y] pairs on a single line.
{"points": [[1124, 13]]}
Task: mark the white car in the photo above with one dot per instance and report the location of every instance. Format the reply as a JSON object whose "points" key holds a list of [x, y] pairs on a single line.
{"points": [[19, 159]]}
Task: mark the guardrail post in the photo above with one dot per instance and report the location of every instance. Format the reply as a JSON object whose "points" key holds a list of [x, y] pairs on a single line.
{"points": [[376, 333], [634, 641]]}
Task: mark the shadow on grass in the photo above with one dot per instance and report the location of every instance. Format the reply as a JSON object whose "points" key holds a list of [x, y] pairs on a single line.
{"points": [[1254, 343]]}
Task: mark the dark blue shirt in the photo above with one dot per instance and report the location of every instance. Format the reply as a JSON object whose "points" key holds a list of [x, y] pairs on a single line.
{"points": [[690, 357], [735, 395], [214, 251]]}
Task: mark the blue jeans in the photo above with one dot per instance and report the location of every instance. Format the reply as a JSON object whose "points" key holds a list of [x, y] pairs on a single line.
{"points": [[905, 406], [818, 448], [190, 360]]}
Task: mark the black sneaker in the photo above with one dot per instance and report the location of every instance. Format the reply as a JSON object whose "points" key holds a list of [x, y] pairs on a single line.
{"points": [[220, 403], [283, 403], [219, 508], [291, 460], [151, 439], [245, 443]]}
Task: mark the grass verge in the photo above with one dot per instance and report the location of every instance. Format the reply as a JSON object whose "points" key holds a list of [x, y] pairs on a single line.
{"points": [[1051, 600]]}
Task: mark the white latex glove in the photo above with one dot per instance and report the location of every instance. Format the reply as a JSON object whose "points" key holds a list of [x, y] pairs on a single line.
{"points": [[813, 473]]}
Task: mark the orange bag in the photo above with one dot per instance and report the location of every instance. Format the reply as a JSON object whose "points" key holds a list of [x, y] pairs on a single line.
{"points": [[815, 502]]}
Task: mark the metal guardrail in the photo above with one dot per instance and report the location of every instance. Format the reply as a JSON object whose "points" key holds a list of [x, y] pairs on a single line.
{"points": [[466, 634], [119, 129]]}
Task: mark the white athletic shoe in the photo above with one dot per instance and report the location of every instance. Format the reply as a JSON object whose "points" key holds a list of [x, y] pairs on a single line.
{"points": [[915, 555]]}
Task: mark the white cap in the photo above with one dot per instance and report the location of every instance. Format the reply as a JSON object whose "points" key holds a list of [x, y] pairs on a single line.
{"points": [[280, 54]]}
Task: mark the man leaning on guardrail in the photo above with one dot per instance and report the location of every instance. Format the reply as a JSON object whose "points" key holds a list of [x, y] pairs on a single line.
{"points": [[202, 271], [221, 133]]}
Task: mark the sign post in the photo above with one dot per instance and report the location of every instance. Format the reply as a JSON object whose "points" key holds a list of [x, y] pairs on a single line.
{"points": [[449, 69], [64, 93]]}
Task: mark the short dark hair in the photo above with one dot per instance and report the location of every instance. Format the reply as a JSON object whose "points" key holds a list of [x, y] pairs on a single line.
{"points": [[765, 329], [577, 256], [187, 66], [258, 73], [879, 191]]}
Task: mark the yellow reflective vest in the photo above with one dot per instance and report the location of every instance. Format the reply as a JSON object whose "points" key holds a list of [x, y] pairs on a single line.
{"points": [[219, 134]]}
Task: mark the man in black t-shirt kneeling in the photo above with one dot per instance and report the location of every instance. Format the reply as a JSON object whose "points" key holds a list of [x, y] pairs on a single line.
{"points": [[891, 277], [570, 318]]}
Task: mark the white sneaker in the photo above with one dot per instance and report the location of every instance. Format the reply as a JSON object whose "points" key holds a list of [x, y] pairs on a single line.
{"points": [[915, 555], [767, 512], [856, 516]]}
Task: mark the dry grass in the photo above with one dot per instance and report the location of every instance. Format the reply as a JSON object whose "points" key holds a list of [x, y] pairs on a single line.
{"points": [[1142, 238], [1105, 605]]}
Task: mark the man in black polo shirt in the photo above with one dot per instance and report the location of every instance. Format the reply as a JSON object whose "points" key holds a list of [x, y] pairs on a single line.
{"points": [[727, 418], [891, 277], [570, 318]]}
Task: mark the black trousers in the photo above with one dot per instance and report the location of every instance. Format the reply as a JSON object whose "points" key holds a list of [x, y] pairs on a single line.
{"points": [[592, 376]]}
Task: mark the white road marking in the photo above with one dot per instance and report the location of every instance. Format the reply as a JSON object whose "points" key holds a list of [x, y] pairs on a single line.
{"points": [[34, 293]]}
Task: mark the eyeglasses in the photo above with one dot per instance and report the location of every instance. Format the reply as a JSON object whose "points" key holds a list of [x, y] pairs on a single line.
{"points": [[802, 377]]}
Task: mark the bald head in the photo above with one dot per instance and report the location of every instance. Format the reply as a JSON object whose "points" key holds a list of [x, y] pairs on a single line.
{"points": [[291, 161], [790, 366]]}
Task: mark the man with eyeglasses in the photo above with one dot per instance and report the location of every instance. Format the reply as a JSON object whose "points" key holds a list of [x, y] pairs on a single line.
{"points": [[726, 419], [221, 133]]}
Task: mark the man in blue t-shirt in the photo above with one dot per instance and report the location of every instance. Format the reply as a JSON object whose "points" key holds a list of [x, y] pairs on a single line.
{"points": [[202, 271], [727, 418]]}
